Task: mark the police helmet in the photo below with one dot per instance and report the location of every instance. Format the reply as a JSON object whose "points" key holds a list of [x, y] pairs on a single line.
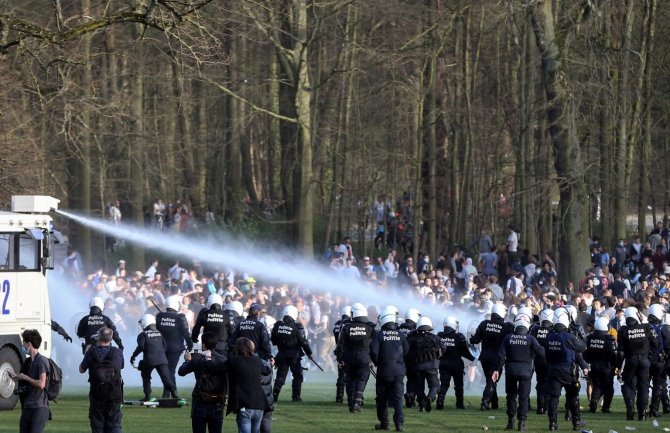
{"points": [[392, 308], [522, 320], [237, 307], [572, 312], [214, 299], [424, 324], [97, 302], [388, 315], [172, 302], [413, 314], [451, 322], [547, 315], [631, 313], [499, 310], [561, 317], [146, 320], [511, 313], [525, 310], [657, 311], [602, 324], [291, 311], [358, 310], [346, 310]]}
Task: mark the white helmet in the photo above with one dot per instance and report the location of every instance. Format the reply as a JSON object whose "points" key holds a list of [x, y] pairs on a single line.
{"points": [[425, 323], [413, 314], [451, 322], [237, 307], [561, 316], [527, 311], [346, 310], [572, 311], [290, 311], [146, 320], [499, 310], [602, 324], [388, 315], [657, 311], [172, 302], [214, 299], [511, 313], [97, 302], [547, 315], [392, 308], [631, 313], [522, 320], [358, 310]]}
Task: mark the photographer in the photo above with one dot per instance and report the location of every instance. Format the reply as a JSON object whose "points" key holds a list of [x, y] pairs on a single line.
{"points": [[32, 381]]}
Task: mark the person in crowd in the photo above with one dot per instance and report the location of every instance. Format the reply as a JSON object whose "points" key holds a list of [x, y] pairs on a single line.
{"points": [[31, 385], [90, 324], [104, 364], [174, 328]]}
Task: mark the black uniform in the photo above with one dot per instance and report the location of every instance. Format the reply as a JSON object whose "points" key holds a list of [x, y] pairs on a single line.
{"points": [[601, 355], [89, 325], [152, 345], [410, 394], [562, 372], [490, 334], [216, 320], [105, 416], [255, 331], [517, 352], [340, 385], [540, 332], [353, 349], [388, 350], [423, 362], [291, 341], [451, 365], [659, 360], [174, 328], [635, 341]]}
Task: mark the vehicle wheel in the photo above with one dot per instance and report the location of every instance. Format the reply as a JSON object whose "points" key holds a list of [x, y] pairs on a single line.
{"points": [[9, 363]]}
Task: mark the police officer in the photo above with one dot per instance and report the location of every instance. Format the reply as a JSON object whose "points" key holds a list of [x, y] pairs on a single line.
{"points": [[601, 355], [289, 336], [388, 350], [213, 319], [561, 350], [254, 330], [235, 312], [152, 345], [174, 328], [451, 362], [423, 362], [540, 332], [353, 352], [490, 333], [659, 357], [411, 317], [340, 385], [88, 326], [578, 331], [635, 340], [517, 351]]}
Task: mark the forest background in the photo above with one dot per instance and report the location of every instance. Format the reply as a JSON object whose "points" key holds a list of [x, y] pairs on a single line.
{"points": [[547, 114]]}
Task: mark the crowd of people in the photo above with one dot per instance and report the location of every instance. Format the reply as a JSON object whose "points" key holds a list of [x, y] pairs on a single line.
{"points": [[523, 319]]}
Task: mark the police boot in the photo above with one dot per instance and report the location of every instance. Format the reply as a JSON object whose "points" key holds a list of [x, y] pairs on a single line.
{"points": [[339, 397], [382, 426], [522, 425], [593, 406], [553, 426], [510, 423], [642, 416], [166, 394], [630, 415], [399, 427], [355, 408], [485, 406], [653, 409], [578, 423]]}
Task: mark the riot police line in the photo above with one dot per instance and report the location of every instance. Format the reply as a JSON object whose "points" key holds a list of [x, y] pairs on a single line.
{"points": [[413, 365]]}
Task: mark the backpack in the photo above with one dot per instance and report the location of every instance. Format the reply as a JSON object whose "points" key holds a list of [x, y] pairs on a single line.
{"points": [[105, 379], [211, 387], [54, 380]]}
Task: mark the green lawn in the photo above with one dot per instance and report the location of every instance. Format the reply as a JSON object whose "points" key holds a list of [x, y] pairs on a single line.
{"points": [[320, 414]]}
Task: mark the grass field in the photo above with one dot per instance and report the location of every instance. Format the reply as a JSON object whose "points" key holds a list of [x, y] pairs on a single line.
{"points": [[319, 414]]}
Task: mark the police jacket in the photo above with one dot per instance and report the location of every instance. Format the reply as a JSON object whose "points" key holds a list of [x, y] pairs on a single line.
{"points": [[338, 326], [407, 327], [517, 352], [289, 336], [635, 339], [541, 332], [425, 350], [89, 325], [353, 346], [662, 341], [174, 327], [151, 343], [388, 350], [255, 331], [600, 350], [490, 333], [212, 319], [455, 347], [561, 351]]}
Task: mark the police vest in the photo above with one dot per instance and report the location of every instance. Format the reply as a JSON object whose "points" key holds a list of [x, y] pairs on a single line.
{"points": [[660, 342], [599, 348], [167, 323], [284, 335], [635, 339], [406, 328], [518, 348], [357, 335], [251, 329], [423, 347], [338, 327], [493, 334], [541, 334], [451, 341], [390, 346], [556, 352], [216, 321]]}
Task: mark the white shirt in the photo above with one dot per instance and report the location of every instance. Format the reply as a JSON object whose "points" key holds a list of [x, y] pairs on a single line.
{"points": [[515, 286], [512, 242]]}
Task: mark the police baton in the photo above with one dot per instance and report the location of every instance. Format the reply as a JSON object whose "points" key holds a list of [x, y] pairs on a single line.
{"points": [[315, 363], [157, 307]]}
